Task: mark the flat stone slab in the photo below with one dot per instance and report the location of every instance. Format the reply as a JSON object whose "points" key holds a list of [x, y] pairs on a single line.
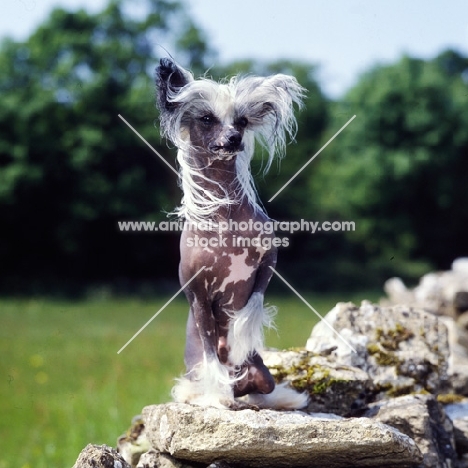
{"points": [[273, 439]]}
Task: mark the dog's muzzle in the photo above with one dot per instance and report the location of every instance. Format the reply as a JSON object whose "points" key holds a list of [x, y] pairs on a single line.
{"points": [[229, 145]]}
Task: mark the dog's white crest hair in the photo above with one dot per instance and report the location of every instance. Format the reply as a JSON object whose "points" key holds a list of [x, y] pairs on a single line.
{"points": [[283, 397], [245, 333], [268, 105], [208, 384]]}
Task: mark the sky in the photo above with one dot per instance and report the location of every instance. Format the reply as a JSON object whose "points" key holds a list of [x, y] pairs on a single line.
{"points": [[343, 38]]}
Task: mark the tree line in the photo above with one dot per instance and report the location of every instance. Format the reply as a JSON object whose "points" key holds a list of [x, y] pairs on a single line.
{"points": [[71, 169]]}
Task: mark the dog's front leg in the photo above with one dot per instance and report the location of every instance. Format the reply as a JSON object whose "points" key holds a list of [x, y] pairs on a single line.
{"points": [[202, 333], [245, 334], [258, 386], [207, 381], [264, 272]]}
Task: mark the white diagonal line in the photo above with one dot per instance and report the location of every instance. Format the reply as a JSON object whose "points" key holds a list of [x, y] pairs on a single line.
{"points": [[312, 158], [160, 157], [160, 310], [311, 308]]}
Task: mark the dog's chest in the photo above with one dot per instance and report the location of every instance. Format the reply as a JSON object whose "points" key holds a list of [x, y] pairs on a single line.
{"points": [[241, 267], [231, 272]]}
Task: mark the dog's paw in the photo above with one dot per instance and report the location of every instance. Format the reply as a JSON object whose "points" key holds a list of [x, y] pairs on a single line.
{"points": [[238, 405]]}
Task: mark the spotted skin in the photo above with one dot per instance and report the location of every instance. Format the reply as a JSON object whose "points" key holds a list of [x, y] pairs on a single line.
{"points": [[231, 275]]}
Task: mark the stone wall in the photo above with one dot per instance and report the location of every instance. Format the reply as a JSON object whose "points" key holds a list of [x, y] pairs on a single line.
{"points": [[388, 387]]}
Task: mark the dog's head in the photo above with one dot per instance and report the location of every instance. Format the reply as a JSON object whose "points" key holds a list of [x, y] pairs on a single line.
{"points": [[223, 119]]}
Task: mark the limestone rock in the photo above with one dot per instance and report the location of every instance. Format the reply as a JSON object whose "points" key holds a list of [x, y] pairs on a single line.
{"points": [[274, 439], [154, 459], [462, 333], [458, 359], [458, 413], [457, 342], [462, 322], [333, 388], [403, 350], [100, 456], [460, 428], [459, 379], [443, 293], [460, 302], [134, 442], [423, 419]]}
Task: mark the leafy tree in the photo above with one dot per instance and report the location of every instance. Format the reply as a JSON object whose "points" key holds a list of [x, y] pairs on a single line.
{"points": [[69, 166], [400, 169]]}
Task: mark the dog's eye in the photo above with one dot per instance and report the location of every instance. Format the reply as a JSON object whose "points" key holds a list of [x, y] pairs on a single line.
{"points": [[207, 119], [242, 122]]}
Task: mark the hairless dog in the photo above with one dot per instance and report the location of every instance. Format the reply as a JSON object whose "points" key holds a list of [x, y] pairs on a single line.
{"points": [[215, 127]]}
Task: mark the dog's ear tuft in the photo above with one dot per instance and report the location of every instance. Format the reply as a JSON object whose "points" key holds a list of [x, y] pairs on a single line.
{"points": [[288, 84], [170, 79]]}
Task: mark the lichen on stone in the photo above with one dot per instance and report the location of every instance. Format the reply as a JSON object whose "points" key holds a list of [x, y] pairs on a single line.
{"points": [[313, 378], [332, 388], [391, 339], [382, 356], [450, 398]]}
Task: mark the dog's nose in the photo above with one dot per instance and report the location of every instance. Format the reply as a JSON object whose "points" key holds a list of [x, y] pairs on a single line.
{"points": [[235, 139]]}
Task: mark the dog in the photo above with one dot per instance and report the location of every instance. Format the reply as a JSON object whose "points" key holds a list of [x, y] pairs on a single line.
{"points": [[215, 127]]}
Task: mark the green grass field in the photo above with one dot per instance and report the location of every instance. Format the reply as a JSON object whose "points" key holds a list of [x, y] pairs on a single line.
{"points": [[63, 385]]}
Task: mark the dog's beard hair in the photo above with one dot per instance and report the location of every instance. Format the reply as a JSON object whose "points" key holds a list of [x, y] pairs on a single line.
{"points": [[267, 103], [198, 204]]}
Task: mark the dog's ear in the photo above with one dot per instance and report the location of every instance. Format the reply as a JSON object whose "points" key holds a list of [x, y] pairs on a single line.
{"points": [[288, 84], [170, 79]]}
